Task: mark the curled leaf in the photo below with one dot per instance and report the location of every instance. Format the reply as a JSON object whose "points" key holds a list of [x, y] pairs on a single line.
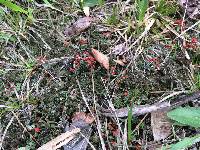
{"points": [[101, 58]]}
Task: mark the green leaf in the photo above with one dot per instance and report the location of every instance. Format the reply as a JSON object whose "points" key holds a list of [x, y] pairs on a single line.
{"points": [[142, 6], [24, 148], [13, 6], [186, 115], [92, 3], [183, 144]]}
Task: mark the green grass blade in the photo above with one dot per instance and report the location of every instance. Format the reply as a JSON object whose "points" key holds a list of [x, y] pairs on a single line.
{"points": [[91, 3], [13, 6], [130, 124], [142, 8]]}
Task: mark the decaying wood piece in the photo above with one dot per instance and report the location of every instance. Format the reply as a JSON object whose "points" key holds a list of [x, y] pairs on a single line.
{"points": [[160, 124], [141, 110], [60, 140]]}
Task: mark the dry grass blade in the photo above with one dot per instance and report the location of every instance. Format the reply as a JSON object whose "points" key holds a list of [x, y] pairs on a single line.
{"points": [[143, 109], [60, 140], [5, 131]]}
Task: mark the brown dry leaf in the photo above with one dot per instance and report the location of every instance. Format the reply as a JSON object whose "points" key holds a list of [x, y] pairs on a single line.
{"points": [[101, 58], [78, 115], [78, 27], [160, 124], [120, 62], [66, 43]]}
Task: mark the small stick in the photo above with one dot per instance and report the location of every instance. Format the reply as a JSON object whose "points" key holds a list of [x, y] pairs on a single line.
{"points": [[141, 110]]}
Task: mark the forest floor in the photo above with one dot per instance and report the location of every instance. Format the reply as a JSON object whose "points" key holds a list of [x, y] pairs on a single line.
{"points": [[67, 63]]}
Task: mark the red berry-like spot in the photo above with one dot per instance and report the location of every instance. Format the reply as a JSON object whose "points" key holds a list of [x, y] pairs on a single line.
{"points": [[168, 46], [85, 52], [152, 59], [37, 130], [194, 40], [71, 70], [116, 132], [126, 93], [113, 143], [113, 70], [179, 22]]}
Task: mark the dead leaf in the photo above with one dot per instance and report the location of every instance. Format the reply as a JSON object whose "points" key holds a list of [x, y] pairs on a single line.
{"points": [[78, 27], [120, 62], [101, 58], [107, 34], [160, 124]]}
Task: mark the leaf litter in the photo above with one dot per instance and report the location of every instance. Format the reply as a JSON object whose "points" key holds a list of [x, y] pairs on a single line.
{"points": [[161, 127]]}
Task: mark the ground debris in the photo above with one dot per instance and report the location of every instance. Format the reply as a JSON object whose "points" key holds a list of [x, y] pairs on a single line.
{"points": [[192, 8]]}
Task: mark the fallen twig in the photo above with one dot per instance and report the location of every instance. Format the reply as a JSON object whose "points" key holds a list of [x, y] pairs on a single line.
{"points": [[141, 110]]}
